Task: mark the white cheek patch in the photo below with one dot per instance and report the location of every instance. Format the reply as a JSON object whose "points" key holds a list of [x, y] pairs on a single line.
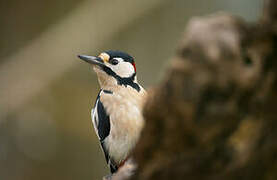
{"points": [[122, 69]]}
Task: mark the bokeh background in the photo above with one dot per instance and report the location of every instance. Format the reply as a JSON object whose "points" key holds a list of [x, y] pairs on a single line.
{"points": [[46, 93]]}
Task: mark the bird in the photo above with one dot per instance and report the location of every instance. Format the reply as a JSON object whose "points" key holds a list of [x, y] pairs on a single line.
{"points": [[117, 114]]}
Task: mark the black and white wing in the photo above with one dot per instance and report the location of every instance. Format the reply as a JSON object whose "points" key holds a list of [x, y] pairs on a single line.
{"points": [[100, 119], [101, 123]]}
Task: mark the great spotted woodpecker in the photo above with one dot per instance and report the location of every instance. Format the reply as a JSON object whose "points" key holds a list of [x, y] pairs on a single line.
{"points": [[117, 116]]}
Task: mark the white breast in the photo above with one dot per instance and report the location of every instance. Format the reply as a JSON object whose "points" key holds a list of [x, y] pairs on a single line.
{"points": [[124, 107]]}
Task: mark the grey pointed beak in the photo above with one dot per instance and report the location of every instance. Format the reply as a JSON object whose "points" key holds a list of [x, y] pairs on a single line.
{"points": [[92, 60]]}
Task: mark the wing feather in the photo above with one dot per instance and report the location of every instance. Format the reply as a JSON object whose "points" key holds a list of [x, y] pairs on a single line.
{"points": [[101, 123]]}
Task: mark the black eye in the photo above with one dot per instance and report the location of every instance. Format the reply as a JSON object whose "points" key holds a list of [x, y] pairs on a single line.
{"points": [[114, 61]]}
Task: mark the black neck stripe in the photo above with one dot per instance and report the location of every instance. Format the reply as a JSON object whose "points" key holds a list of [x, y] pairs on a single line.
{"points": [[129, 81], [107, 91]]}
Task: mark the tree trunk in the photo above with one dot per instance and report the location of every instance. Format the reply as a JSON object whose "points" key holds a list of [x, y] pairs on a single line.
{"points": [[214, 116]]}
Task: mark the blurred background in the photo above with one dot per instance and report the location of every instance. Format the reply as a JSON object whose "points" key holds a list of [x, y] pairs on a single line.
{"points": [[46, 93]]}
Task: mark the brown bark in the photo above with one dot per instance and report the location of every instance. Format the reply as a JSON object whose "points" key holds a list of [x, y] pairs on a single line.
{"points": [[215, 114]]}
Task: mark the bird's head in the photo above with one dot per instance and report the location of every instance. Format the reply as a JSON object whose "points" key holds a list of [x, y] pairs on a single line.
{"points": [[113, 67]]}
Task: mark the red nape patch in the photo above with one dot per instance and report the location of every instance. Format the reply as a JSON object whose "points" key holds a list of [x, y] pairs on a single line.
{"points": [[134, 67]]}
